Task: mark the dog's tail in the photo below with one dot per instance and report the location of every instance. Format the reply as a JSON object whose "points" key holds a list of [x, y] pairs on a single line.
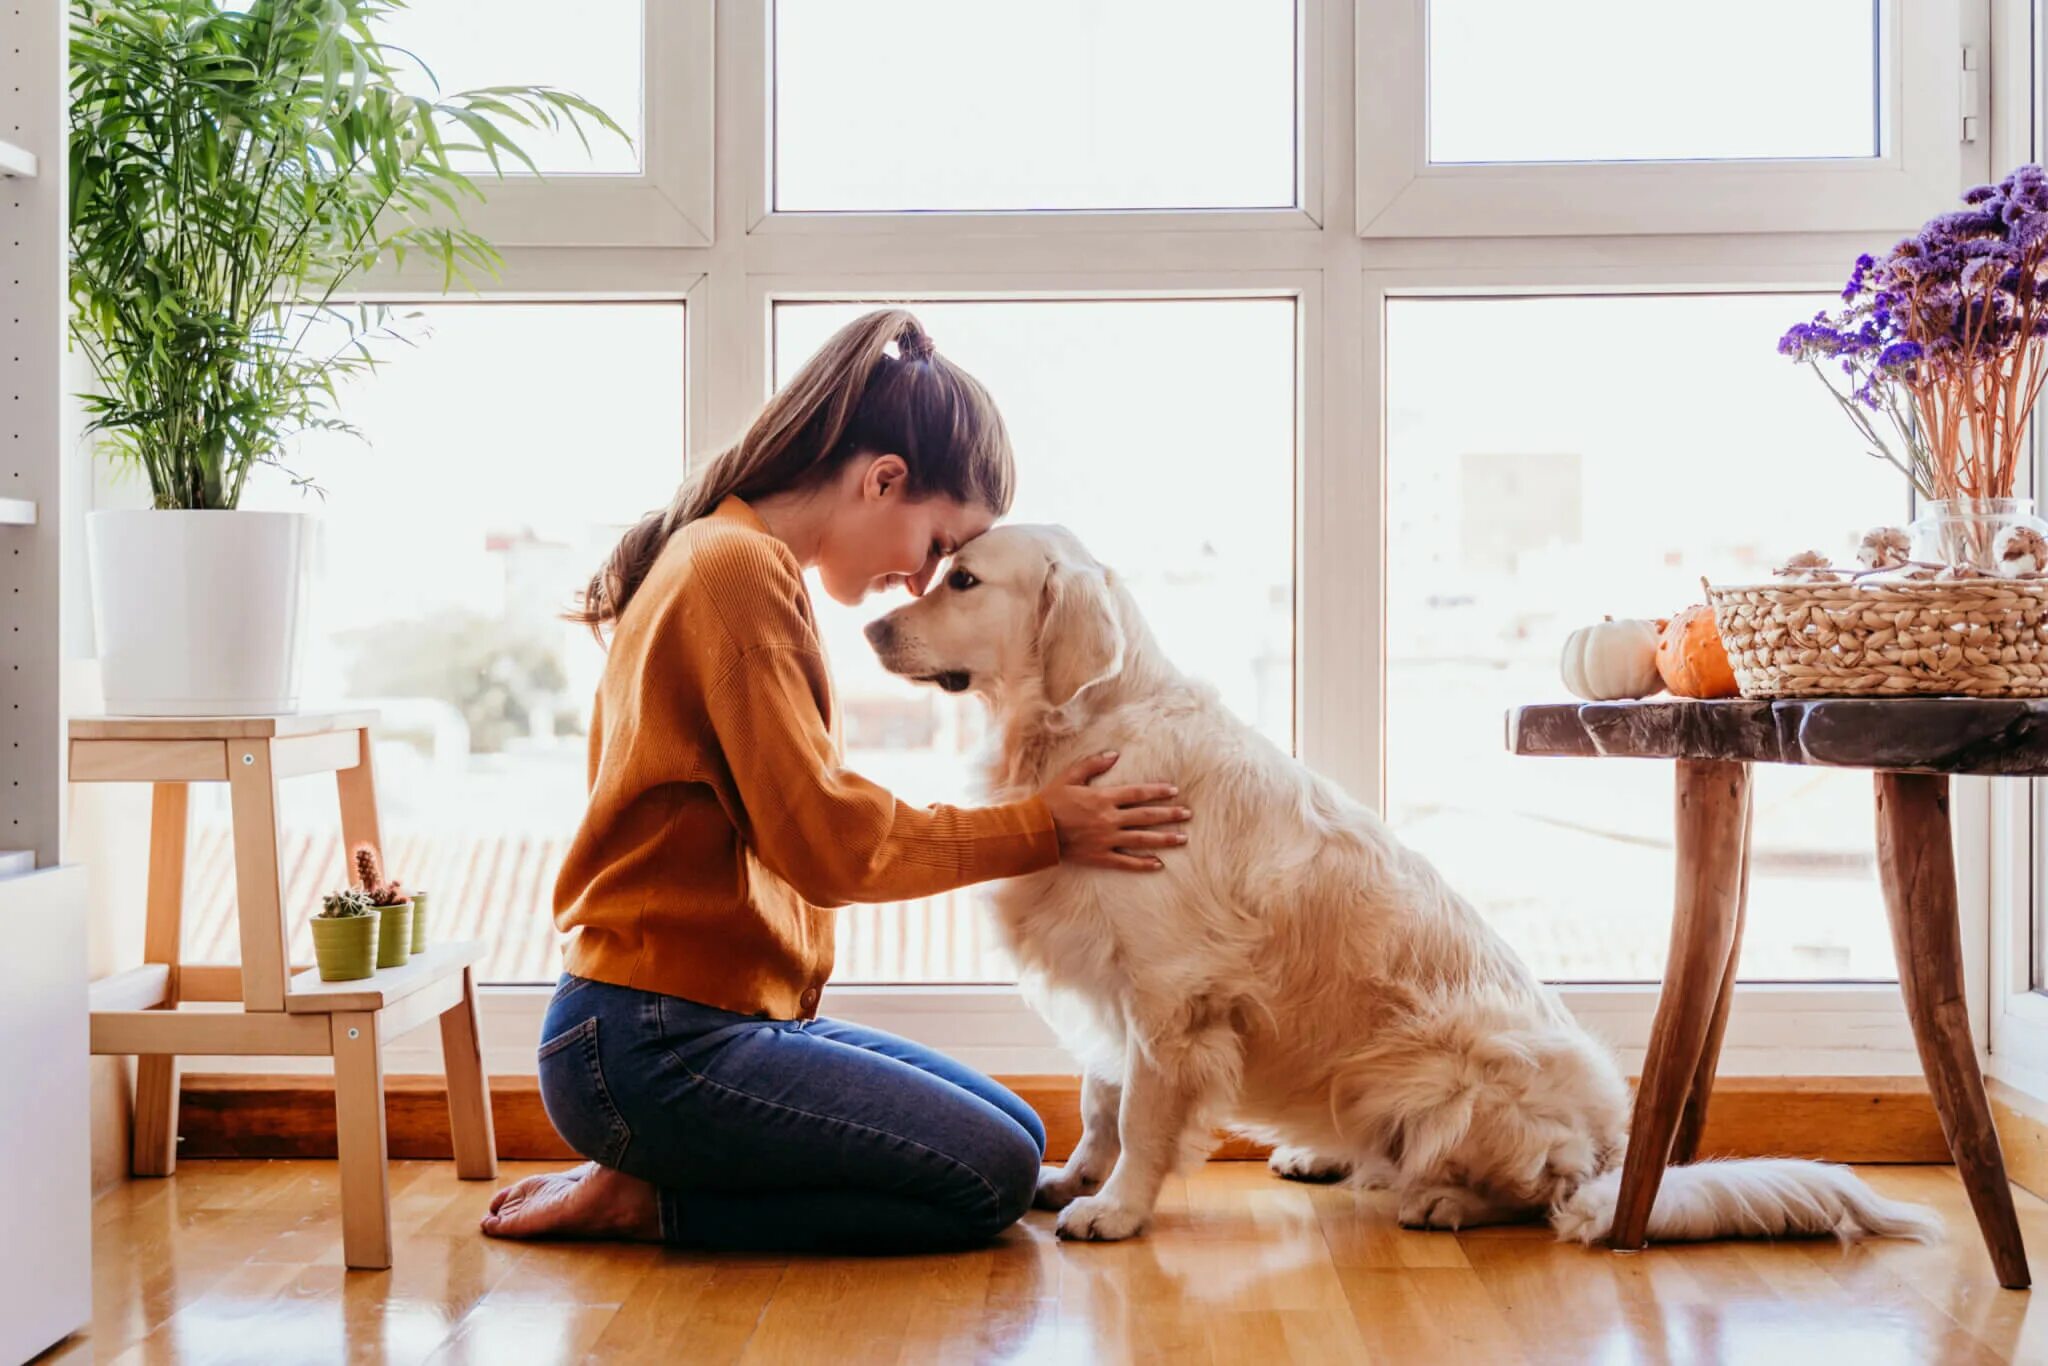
{"points": [[1761, 1198]]}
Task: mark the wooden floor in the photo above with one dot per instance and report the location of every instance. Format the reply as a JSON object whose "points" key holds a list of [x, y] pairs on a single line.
{"points": [[240, 1261]]}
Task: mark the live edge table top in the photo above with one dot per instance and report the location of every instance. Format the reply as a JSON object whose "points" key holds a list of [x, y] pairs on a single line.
{"points": [[1990, 736]]}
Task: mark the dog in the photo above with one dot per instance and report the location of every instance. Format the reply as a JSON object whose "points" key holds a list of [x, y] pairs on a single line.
{"points": [[1296, 974]]}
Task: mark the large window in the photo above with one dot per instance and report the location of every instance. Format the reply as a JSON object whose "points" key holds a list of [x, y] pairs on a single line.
{"points": [[505, 448], [597, 53], [1620, 80], [1594, 117], [1191, 503], [1061, 104], [1625, 448], [1377, 345]]}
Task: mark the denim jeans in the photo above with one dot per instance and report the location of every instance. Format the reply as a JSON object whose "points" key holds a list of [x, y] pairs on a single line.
{"points": [[785, 1135]]}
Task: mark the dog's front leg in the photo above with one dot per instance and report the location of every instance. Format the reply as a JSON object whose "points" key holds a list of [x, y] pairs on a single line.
{"points": [[1095, 1154], [1159, 1097]]}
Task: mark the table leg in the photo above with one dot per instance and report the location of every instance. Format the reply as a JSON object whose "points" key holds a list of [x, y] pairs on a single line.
{"points": [[360, 1141], [1692, 1123], [1712, 812], [469, 1090], [155, 1148], [1916, 861], [259, 880]]}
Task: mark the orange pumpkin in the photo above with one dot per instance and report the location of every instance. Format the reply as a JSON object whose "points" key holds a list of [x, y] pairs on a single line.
{"points": [[1691, 659]]}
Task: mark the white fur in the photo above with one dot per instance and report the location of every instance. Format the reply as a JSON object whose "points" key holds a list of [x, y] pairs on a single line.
{"points": [[1295, 972]]}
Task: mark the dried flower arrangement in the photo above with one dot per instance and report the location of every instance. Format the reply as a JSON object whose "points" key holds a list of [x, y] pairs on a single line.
{"points": [[1943, 341]]}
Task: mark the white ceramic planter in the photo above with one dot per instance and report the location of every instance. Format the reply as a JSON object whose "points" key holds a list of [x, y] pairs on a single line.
{"points": [[199, 613]]}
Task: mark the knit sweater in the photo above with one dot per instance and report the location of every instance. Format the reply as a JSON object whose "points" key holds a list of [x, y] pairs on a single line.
{"points": [[722, 830]]}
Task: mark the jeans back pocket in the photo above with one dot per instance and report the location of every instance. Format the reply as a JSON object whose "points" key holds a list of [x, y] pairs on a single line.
{"points": [[573, 1091]]}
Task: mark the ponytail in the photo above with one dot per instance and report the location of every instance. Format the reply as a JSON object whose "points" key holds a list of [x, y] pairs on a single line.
{"points": [[853, 397]]}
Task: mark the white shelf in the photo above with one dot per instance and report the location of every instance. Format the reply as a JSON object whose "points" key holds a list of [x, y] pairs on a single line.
{"points": [[17, 160], [17, 512]]}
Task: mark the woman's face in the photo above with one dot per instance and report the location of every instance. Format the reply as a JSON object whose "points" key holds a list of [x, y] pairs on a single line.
{"points": [[879, 537]]}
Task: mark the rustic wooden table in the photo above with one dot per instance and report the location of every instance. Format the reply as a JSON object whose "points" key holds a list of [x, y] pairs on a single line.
{"points": [[1912, 745]]}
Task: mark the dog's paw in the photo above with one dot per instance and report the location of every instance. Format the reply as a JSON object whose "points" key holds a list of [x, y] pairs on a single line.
{"points": [[1304, 1164], [1059, 1187], [1096, 1220], [1439, 1207]]}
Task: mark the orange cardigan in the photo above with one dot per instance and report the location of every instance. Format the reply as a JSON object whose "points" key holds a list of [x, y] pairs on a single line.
{"points": [[721, 828]]}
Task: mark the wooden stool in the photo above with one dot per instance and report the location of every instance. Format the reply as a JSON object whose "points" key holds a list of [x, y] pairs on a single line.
{"points": [[1912, 744], [285, 1012]]}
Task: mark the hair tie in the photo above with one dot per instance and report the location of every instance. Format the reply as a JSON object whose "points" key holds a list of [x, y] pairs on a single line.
{"points": [[915, 345]]}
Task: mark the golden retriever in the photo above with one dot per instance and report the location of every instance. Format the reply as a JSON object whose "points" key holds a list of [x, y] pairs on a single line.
{"points": [[1295, 973]]}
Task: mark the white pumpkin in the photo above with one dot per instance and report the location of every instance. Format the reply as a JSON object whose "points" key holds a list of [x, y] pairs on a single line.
{"points": [[1612, 660]]}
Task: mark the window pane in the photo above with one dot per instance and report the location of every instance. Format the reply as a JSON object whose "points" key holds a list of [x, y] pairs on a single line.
{"points": [[1596, 479], [1191, 503], [508, 449], [1059, 104], [1624, 80], [592, 49]]}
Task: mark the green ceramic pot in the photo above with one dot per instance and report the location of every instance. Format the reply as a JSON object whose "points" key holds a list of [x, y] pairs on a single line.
{"points": [[345, 946], [394, 935], [419, 922]]}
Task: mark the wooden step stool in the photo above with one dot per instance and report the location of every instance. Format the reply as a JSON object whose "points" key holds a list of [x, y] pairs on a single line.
{"points": [[285, 1012]]}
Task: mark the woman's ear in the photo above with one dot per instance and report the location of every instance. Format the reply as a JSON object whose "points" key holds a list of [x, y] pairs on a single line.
{"points": [[1080, 641], [884, 476]]}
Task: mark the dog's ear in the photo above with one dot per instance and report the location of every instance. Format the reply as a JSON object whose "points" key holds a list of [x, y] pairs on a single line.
{"points": [[1080, 641]]}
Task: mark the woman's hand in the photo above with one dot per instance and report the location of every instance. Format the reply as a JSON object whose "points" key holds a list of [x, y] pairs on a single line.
{"points": [[1109, 827]]}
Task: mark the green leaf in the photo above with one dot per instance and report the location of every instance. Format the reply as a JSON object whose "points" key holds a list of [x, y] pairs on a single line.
{"points": [[230, 171]]}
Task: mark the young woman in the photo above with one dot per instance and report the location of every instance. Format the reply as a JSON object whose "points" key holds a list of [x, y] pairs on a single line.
{"points": [[683, 1053]]}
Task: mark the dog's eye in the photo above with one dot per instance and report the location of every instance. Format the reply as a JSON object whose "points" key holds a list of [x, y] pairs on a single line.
{"points": [[960, 581]]}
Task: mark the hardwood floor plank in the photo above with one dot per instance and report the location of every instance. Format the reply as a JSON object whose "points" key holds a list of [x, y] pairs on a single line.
{"points": [[241, 1261], [701, 1311]]}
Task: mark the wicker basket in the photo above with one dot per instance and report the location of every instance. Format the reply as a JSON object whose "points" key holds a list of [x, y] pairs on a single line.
{"points": [[1970, 637]]}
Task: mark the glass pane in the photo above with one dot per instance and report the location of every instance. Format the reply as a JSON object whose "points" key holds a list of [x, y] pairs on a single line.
{"points": [[1191, 503], [449, 545], [1597, 479], [1059, 104], [596, 54], [1624, 80]]}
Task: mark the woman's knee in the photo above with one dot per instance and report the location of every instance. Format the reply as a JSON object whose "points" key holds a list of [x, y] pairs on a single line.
{"points": [[1032, 1125], [1008, 1176]]}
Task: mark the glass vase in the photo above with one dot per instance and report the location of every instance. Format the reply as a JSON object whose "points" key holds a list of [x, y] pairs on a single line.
{"points": [[1962, 533]]}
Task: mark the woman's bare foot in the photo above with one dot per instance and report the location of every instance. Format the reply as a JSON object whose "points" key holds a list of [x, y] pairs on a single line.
{"points": [[589, 1201]]}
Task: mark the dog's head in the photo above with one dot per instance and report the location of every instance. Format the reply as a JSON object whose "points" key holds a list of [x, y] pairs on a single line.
{"points": [[1021, 605]]}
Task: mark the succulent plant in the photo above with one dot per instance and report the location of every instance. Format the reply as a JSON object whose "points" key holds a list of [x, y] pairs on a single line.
{"points": [[343, 904], [370, 877]]}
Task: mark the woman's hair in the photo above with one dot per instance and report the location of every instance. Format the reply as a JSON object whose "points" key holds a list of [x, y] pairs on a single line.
{"points": [[854, 397]]}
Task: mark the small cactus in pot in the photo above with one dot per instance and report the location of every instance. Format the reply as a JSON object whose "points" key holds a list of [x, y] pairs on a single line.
{"points": [[394, 909], [345, 936], [419, 921]]}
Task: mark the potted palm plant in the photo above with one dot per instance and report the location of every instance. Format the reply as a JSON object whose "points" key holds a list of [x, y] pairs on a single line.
{"points": [[232, 168]]}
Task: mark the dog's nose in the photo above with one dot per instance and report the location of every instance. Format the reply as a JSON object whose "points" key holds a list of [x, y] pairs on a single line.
{"points": [[879, 632]]}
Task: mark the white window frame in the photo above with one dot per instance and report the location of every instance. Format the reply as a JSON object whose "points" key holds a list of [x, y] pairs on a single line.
{"points": [[2012, 1030], [754, 56], [668, 203], [1401, 193], [1340, 278]]}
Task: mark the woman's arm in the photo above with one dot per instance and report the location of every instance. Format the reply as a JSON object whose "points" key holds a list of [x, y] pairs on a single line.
{"points": [[830, 833], [836, 837]]}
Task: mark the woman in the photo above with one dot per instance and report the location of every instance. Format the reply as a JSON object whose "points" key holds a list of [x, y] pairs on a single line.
{"points": [[682, 1052]]}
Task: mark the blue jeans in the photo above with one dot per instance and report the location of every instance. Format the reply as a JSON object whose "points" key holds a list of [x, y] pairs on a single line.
{"points": [[785, 1135]]}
